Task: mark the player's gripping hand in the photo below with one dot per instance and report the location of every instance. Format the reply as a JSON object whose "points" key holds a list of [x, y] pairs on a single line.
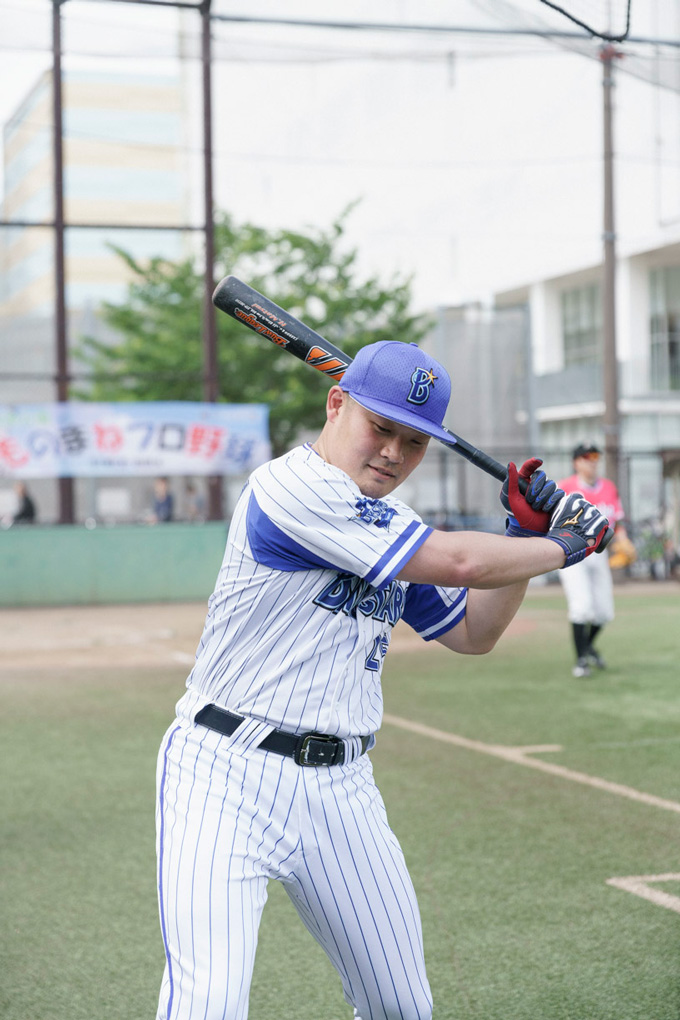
{"points": [[529, 513], [578, 527]]}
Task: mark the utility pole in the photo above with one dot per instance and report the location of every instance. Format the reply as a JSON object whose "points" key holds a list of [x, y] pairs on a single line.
{"points": [[66, 514], [610, 380], [210, 370], [532, 421]]}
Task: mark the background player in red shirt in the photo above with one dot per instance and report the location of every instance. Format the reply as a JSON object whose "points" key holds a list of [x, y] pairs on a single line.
{"points": [[588, 585]]}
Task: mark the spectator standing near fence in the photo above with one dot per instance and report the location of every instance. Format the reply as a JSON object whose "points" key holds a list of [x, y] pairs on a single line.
{"points": [[195, 504], [25, 511], [588, 585], [163, 502]]}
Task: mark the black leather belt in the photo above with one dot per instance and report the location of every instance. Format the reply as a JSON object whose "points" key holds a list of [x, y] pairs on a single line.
{"points": [[304, 748]]}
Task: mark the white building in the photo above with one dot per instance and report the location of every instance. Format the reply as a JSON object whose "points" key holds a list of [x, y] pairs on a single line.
{"points": [[124, 170], [126, 185], [568, 405]]}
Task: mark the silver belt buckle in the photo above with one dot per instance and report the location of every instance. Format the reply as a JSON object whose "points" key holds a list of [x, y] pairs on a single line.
{"points": [[304, 752]]}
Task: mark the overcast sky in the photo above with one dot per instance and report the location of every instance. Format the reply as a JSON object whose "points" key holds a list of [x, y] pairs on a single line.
{"points": [[476, 162]]}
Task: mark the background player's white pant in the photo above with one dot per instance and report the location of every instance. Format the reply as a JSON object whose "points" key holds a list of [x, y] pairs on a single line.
{"points": [[589, 590], [323, 832]]}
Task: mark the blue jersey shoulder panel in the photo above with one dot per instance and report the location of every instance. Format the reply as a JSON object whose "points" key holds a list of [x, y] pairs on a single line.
{"points": [[273, 548]]}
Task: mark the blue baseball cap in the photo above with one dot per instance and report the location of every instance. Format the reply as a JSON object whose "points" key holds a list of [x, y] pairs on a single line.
{"points": [[398, 381]]}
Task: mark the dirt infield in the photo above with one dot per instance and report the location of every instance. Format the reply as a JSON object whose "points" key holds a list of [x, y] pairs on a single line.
{"points": [[152, 635], [129, 636]]}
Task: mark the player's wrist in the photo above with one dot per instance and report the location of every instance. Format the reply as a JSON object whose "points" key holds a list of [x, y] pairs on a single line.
{"points": [[573, 553], [513, 529]]}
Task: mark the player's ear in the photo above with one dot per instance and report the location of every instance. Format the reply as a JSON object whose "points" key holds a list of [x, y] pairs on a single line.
{"points": [[335, 400]]}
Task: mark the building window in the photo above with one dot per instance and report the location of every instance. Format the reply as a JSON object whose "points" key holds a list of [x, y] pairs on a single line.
{"points": [[582, 325], [664, 328]]}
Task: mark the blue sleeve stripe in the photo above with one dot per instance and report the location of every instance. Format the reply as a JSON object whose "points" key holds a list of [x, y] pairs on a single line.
{"points": [[448, 623], [391, 562], [447, 611], [273, 548], [432, 610]]}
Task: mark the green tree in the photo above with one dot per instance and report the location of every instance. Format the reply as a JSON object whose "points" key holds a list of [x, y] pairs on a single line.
{"points": [[159, 353]]}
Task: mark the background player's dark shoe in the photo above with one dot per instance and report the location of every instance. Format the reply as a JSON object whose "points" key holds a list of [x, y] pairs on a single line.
{"points": [[581, 668], [595, 659]]}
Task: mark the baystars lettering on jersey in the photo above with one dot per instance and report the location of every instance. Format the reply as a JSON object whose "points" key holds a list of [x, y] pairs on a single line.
{"points": [[351, 595], [299, 624]]}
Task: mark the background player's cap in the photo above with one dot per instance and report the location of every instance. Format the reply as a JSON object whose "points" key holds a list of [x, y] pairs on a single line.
{"points": [[398, 381], [586, 449]]}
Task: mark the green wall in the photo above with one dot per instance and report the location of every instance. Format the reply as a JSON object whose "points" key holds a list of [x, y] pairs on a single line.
{"points": [[47, 566]]}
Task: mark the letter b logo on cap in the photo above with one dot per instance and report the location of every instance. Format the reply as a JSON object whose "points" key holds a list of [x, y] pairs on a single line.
{"points": [[422, 382]]}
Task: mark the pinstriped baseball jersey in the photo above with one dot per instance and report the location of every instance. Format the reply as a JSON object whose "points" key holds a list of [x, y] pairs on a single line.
{"points": [[295, 637], [306, 600]]}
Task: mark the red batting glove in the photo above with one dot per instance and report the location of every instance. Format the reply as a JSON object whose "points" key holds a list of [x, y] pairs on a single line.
{"points": [[530, 512]]}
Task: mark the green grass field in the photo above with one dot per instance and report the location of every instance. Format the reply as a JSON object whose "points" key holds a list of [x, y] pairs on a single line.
{"points": [[511, 864]]}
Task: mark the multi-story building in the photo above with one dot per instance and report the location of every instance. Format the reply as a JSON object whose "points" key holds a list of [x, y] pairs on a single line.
{"points": [[124, 155], [532, 374], [566, 320], [125, 185]]}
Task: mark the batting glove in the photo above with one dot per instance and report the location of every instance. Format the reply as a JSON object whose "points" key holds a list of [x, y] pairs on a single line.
{"points": [[574, 524], [529, 514]]}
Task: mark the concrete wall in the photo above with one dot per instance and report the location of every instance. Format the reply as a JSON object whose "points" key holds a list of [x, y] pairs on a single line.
{"points": [[45, 566]]}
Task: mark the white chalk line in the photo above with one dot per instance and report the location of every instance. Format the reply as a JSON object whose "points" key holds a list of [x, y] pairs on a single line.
{"points": [[520, 756], [638, 886]]}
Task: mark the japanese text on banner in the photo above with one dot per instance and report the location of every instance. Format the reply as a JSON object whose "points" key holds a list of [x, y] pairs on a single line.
{"points": [[95, 439]]}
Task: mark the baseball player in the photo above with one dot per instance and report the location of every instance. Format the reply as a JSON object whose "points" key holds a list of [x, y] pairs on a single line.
{"points": [[265, 773], [588, 588]]}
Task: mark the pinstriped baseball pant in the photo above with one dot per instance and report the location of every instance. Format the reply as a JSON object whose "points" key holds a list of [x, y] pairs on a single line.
{"points": [[228, 821]]}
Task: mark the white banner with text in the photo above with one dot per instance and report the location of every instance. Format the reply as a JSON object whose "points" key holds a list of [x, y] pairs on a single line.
{"points": [[82, 439]]}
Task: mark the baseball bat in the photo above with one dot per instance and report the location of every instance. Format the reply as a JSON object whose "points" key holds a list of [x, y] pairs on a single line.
{"points": [[258, 313]]}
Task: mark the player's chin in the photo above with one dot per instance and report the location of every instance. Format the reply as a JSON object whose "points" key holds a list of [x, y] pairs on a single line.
{"points": [[377, 484]]}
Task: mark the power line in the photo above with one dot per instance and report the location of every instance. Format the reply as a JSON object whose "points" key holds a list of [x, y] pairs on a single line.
{"points": [[374, 26], [269, 157], [274, 56], [546, 32]]}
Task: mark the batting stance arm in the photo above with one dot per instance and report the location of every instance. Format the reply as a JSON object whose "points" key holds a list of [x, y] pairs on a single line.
{"points": [[485, 563], [470, 559], [494, 569], [488, 615]]}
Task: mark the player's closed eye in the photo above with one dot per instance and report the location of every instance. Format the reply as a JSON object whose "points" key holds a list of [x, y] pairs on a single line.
{"points": [[387, 432]]}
